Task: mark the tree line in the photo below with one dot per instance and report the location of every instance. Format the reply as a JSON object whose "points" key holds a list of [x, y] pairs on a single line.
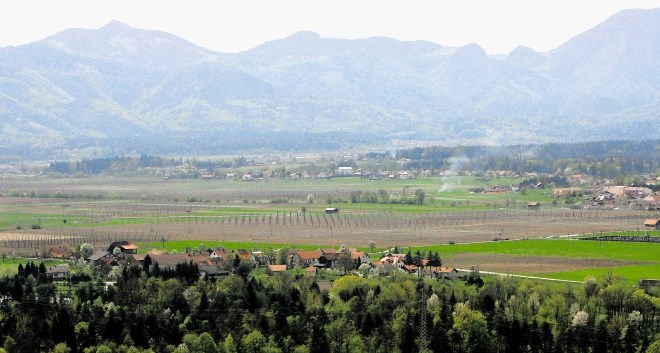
{"points": [[150, 311], [100, 165], [608, 159]]}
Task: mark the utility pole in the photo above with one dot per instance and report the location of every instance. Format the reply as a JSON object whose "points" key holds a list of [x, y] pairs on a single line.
{"points": [[423, 334]]}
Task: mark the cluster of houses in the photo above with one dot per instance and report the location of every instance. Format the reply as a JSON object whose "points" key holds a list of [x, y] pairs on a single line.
{"points": [[219, 261], [339, 172], [615, 196], [635, 197]]}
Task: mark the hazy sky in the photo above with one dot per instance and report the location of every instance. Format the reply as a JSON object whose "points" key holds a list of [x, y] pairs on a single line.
{"points": [[232, 26]]}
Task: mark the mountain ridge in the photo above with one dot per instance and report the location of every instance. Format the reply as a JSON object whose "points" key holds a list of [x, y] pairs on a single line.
{"points": [[102, 88]]}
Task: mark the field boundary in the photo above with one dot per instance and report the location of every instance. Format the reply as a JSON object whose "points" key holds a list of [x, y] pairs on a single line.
{"points": [[520, 276]]}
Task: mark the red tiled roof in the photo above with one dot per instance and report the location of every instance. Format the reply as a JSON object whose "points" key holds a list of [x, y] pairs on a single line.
{"points": [[356, 255], [309, 255], [277, 268]]}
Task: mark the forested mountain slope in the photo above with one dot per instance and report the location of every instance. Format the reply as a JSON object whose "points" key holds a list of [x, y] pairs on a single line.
{"points": [[123, 89]]}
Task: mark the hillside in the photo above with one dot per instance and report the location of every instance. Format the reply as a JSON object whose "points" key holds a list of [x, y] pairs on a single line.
{"points": [[125, 90]]}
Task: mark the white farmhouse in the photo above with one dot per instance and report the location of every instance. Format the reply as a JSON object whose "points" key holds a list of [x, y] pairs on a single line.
{"points": [[345, 170]]}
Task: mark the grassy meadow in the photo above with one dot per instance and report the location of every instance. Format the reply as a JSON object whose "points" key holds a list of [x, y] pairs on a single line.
{"points": [[183, 245], [9, 265], [631, 274], [631, 261], [571, 248]]}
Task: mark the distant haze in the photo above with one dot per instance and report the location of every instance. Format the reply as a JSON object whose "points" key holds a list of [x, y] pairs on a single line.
{"points": [[118, 90], [234, 26]]}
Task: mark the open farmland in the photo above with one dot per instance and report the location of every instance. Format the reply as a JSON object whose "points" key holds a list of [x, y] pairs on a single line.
{"points": [[568, 259], [274, 210], [565, 259], [631, 273]]}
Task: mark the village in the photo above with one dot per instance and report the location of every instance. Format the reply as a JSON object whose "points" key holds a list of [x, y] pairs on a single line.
{"points": [[216, 262]]}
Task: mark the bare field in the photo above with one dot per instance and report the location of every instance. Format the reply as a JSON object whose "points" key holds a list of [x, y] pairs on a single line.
{"points": [[384, 234], [527, 264], [97, 210], [351, 230]]}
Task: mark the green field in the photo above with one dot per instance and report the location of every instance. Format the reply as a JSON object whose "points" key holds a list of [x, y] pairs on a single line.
{"points": [[182, 245], [559, 248], [556, 248], [630, 274], [563, 248], [148, 208], [12, 220], [9, 266]]}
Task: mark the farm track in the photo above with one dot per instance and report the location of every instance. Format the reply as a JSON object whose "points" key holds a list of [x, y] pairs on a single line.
{"points": [[523, 276]]}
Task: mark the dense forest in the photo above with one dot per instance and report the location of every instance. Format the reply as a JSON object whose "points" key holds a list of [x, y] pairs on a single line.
{"points": [[607, 159], [264, 312]]}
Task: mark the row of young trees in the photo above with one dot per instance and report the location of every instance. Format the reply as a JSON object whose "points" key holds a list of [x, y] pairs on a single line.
{"points": [[32, 244], [285, 313]]}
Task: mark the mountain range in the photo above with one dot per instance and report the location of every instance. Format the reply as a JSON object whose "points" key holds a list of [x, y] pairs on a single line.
{"points": [[118, 90]]}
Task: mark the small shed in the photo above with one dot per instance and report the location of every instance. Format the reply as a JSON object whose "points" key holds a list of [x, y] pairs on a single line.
{"points": [[345, 170], [211, 271], [652, 223], [311, 271], [649, 282], [534, 205], [331, 210]]}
